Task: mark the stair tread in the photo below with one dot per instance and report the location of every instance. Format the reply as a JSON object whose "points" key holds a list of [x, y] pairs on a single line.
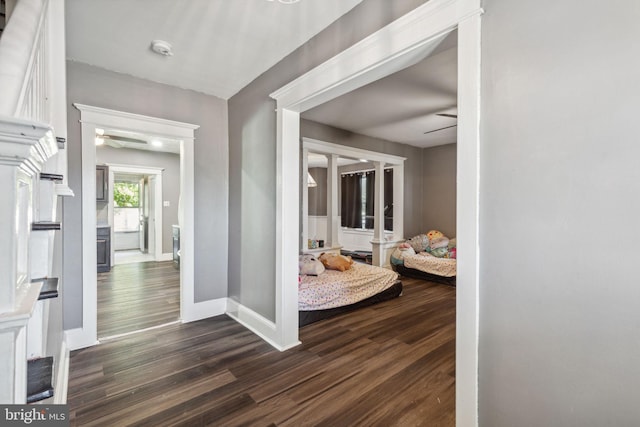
{"points": [[49, 287], [39, 374], [45, 225], [51, 176]]}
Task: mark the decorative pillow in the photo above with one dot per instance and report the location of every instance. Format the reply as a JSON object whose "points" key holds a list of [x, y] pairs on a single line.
{"points": [[452, 243], [440, 252], [335, 262], [309, 265], [397, 257], [419, 243], [438, 242], [434, 234], [453, 253]]}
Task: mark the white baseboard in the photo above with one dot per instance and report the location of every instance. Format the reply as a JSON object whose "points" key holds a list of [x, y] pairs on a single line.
{"points": [[256, 323], [62, 376], [79, 338], [203, 310], [165, 257]]}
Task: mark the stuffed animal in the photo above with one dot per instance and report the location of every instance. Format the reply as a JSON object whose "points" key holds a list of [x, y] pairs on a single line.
{"points": [[434, 234], [419, 243], [403, 249], [335, 262], [438, 242], [309, 265]]}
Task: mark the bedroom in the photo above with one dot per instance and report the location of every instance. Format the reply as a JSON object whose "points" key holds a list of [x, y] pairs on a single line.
{"points": [[411, 117]]}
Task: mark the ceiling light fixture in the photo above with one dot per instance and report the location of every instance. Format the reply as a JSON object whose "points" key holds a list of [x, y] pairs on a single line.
{"points": [[156, 143], [161, 47]]}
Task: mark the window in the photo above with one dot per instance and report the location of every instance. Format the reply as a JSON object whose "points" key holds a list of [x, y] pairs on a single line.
{"points": [[126, 206], [358, 199]]}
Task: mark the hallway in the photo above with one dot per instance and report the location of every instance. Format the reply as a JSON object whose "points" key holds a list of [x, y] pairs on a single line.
{"points": [[137, 296]]}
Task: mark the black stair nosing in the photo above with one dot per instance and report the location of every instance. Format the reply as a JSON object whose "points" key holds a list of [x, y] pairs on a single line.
{"points": [[45, 226], [49, 287], [39, 376], [51, 176], [61, 141]]}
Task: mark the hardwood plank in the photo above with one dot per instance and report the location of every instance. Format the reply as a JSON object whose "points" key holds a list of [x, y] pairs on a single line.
{"points": [[137, 296], [389, 364]]}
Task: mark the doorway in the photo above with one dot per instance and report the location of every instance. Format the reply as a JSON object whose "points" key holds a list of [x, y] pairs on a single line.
{"points": [[140, 287], [386, 51], [137, 214], [93, 118]]}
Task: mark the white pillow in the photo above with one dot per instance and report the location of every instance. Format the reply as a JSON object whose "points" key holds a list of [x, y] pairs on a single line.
{"points": [[309, 265]]}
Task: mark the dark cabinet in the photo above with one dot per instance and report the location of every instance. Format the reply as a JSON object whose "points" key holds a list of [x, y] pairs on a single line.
{"points": [[104, 249], [102, 183]]}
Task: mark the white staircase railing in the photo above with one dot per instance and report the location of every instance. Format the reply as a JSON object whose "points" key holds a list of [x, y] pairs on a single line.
{"points": [[32, 136]]}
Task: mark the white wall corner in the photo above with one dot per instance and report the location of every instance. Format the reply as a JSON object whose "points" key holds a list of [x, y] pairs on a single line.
{"points": [[257, 324], [79, 338], [204, 310]]}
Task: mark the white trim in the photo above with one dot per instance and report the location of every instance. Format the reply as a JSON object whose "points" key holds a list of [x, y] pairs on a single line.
{"points": [[139, 331], [206, 309], [467, 200], [62, 375], [79, 338], [168, 256], [141, 170], [257, 324], [396, 163], [91, 118], [402, 43], [329, 148]]}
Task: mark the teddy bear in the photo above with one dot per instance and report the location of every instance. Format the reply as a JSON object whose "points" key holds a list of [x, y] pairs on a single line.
{"points": [[335, 262]]}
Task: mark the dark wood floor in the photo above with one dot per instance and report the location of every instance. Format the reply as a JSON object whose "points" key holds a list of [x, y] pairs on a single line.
{"points": [[392, 364], [137, 296]]}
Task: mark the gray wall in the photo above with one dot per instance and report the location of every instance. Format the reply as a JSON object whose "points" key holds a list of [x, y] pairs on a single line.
{"points": [[559, 209], [252, 151], [318, 195], [98, 87], [439, 194], [170, 162]]}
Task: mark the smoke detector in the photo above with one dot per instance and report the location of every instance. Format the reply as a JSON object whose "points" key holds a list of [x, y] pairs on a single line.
{"points": [[161, 47]]}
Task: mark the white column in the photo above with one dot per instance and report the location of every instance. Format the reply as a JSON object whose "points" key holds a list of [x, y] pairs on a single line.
{"points": [[304, 171], [332, 201], [58, 90], [378, 212], [398, 202]]}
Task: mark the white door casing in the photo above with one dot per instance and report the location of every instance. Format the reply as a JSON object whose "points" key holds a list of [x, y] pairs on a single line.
{"points": [[398, 45], [96, 117], [154, 173]]}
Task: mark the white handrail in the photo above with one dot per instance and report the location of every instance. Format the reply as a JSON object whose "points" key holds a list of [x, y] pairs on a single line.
{"points": [[24, 62]]}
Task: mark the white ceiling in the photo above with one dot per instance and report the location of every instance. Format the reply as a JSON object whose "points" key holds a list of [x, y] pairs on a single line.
{"points": [[402, 106], [219, 46], [118, 138]]}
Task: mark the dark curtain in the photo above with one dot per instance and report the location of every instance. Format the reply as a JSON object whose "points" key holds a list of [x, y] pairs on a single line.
{"points": [[388, 199], [370, 184], [351, 195]]}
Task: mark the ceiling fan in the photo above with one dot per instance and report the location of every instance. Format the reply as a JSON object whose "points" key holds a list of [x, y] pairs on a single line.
{"points": [[119, 141], [452, 116]]}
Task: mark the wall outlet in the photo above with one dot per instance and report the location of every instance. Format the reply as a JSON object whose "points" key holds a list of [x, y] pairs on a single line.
{"points": [[166, 203]]}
